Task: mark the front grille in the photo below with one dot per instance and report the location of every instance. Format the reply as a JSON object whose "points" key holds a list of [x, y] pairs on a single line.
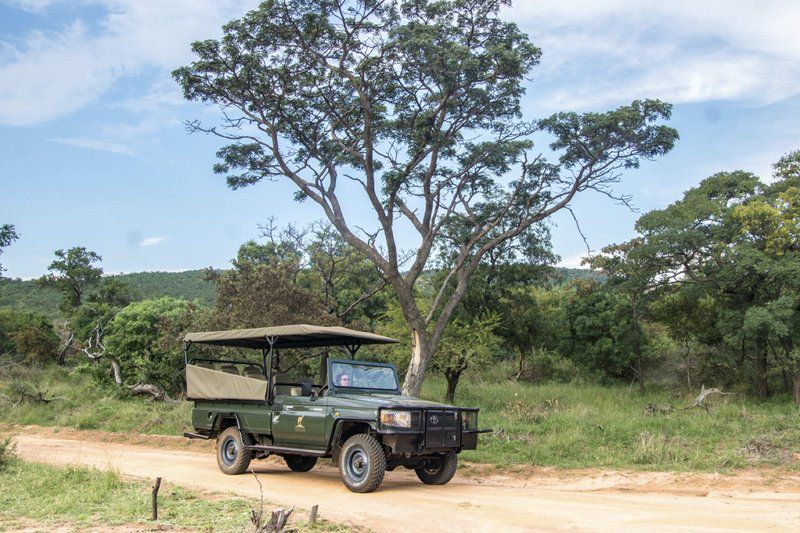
{"points": [[442, 429]]}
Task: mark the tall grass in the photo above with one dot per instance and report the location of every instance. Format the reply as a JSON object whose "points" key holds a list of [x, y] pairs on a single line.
{"points": [[79, 403], [581, 425]]}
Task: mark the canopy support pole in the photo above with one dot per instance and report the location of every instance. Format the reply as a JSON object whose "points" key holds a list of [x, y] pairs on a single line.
{"points": [[353, 348], [186, 346], [268, 367]]}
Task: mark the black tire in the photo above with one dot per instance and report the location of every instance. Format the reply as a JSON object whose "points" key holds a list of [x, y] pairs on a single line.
{"points": [[300, 463], [438, 471], [232, 457], [362, 463]]}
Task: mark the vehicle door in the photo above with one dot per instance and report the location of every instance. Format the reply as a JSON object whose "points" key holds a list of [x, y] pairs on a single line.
{"points": [[299, 421]]}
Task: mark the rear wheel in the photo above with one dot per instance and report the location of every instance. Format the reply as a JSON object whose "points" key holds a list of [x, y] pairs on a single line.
{"points": [[232, 456], [362, 463], [300, 463], [439, 470]]}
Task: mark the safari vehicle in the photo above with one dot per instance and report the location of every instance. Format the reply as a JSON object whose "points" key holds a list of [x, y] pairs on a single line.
{"points": [[353, 412]]}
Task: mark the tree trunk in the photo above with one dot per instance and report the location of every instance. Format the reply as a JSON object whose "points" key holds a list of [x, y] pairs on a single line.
{"points": [[521, 365], [115, 366], [638, 347], [420, 355], [797, 386], [760, 367], [452, 376]]}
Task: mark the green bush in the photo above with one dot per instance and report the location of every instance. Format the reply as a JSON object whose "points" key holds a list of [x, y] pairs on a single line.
{"points": [[27, 335], [548, 366], [136, 337]]}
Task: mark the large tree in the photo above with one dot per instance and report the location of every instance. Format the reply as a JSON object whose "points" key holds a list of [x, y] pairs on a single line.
{"points": [[408, 111]]}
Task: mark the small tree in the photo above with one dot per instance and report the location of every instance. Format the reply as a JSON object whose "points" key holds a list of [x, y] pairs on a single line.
{"points": [[631, 272], [466, 346], [72, 274], [408, 111]]}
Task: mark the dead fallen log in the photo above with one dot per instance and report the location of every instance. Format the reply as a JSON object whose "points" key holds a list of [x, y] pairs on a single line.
{"points": [[704, 394], [146, 389]]}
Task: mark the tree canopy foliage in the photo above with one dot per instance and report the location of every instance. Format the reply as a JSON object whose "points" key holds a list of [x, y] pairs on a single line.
{"points": [[72, 273], [412, 110], [727, 252]]}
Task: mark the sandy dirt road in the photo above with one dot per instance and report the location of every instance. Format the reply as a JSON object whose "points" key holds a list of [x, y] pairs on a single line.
{"points": [[594, 500]]}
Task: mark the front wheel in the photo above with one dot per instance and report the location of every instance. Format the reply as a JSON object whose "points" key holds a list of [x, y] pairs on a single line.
{"points": [[438, 471], [300, 463], [232, 456], [362, 463]]}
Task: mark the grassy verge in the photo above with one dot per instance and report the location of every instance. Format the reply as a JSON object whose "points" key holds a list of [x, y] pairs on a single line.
{"points": [[83, 497], [81, 404], [593, 426], [562, 425]]}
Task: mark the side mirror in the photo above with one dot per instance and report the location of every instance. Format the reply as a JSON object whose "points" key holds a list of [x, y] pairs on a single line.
{"points": [[307, 389]]}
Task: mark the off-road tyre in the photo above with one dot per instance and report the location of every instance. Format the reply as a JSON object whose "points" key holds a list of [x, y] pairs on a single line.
{"points": [[232, 457], [300, 463], [362, 463], [438, 472]]}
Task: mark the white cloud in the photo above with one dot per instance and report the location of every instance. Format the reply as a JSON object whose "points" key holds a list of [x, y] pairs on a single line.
{"points": [[600, 53], [51, 74], [96, 144], [151, 241]]}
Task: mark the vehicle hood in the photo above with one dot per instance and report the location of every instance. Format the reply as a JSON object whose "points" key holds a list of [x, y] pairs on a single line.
{"points": [[390, 400]]}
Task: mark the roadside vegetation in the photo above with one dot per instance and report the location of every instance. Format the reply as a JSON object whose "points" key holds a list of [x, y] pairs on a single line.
{"points": [[78, 497], [566, 425]]}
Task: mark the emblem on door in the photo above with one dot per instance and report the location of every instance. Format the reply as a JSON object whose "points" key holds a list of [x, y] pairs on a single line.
{"points": [[300, 426]]}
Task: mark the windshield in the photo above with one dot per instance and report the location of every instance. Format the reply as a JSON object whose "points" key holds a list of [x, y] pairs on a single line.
{"points": [[354, 375]]}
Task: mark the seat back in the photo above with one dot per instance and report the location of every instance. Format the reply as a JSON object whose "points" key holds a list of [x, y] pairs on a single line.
{"points": [[255, 372], [230, 369]]}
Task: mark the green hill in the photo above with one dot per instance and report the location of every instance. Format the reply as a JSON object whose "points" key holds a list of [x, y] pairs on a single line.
{"points": [[25, 295]]}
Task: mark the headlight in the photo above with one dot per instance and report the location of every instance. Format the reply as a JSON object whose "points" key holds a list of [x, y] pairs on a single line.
{"points": [[469, 420], [397, 419]]}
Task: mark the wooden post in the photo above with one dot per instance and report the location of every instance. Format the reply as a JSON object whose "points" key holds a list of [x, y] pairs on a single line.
{"points": [[155, 498], [312, 518]]}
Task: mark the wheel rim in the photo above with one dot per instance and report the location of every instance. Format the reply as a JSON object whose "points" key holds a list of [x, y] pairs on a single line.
{"points": [[357, 464], [229, 451], [433, 466]]}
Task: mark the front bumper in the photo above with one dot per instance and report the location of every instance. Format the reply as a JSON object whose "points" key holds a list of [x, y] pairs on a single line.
{"points": [[436, 430]]}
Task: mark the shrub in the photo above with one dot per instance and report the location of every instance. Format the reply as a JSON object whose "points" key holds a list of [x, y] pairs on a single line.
{"points": [[551, 366], [30, 335]]}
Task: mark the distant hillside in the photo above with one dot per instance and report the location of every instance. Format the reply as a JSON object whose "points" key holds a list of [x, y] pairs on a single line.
{"points": [[565, 275], [189, 285], [25, 295]]}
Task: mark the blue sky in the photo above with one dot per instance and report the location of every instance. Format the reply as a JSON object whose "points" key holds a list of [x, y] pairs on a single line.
{"points": [[93, 151]]}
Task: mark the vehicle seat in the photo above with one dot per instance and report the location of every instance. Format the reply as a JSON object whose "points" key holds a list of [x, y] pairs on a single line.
{"points": [[204, 364], [254, 372], [281, 384], [230, 369]]}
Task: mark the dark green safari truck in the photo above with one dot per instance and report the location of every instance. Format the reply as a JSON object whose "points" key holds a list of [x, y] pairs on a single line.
{"points": [[352, 411]]}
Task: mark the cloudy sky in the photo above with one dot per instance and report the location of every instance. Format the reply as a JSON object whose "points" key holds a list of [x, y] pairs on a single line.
{"points": [[93, 151]]}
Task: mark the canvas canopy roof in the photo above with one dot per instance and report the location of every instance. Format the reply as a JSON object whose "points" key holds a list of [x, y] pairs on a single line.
{"points": [[293, 336]]}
